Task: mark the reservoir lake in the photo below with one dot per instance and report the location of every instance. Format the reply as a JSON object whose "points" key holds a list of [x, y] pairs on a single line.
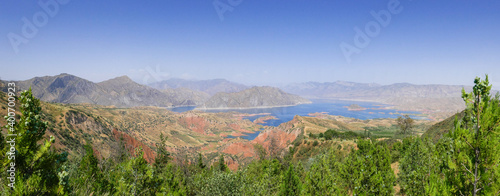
{"points": [[331, 107]]}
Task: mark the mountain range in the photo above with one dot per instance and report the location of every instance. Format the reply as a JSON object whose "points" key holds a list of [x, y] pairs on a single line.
{"points": [[362, 91], [253, 97], [119, 92], [123, 92], [221, 93], [208, 86]]}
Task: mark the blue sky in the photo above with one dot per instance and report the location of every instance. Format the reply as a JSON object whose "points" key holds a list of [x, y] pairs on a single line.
{"points": [[262, 42]]}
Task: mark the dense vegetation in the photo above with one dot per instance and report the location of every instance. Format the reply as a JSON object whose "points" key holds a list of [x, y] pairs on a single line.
{"points": [[464, 161]]}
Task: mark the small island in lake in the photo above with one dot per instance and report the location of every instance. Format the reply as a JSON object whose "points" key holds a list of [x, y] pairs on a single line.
{"points": [[355, 107]]}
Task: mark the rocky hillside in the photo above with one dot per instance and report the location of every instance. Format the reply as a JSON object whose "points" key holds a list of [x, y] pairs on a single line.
{"points": [[111, 130], [208, 86], [123, 92], [187, 97], [119, 92], [254, 98]]}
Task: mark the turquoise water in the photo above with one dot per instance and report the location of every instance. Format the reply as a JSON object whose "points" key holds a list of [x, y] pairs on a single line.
{"points": [[331, 107]]}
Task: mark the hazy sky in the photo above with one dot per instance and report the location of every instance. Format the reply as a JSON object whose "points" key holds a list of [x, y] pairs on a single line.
{"points": [[253, 41]]}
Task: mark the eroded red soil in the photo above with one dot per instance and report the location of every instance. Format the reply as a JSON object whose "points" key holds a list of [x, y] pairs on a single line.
{"points": [[131, 144]]}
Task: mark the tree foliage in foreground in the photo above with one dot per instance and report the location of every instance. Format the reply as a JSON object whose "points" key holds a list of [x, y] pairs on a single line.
{"points": [[418, 171], [474, 155], [367, 171], [464, 162], [37, 165]]}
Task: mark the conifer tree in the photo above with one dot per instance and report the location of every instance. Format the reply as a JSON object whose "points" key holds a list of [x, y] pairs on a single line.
{"points": [[36, 164], [474, 156], [200, 162], [135, 176], [90, 173], [417, 167], [322, 177], [162, 155], [291, 184], [222, 165], [367, 171]]}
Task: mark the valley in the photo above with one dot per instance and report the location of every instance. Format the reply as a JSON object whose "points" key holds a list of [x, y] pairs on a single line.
{"points": [[244, 98], [108, 129], [257, 123], [82, 112]]}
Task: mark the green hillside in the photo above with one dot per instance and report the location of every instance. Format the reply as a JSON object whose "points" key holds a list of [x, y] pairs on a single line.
{"points": [[436, 131]]}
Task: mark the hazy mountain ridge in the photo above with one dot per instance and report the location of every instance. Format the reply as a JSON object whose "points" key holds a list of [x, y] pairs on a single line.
{"points": [[208, 86], [321, 90], [120, 92], [342, 89], [432, 98], [63, 88], [187, 97], [438, 100], [124, 92], [129, 94], [254, 97]]}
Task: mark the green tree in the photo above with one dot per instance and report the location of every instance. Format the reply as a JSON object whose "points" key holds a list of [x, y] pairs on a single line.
{"points": [[417, 167], [322, 178], [396, 151], [162, 155], [311, 135], [219, 183], [291, 184], [123, 153], [405, 124], [135, 176], [221, 166], [36, 164], [260, 151], [2, 142], [167, 179], [263, 177], [200, 162], [367, 171], [90, 175], [474, 156]]}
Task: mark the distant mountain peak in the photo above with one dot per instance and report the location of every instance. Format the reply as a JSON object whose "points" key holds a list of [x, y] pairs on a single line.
{"points": [[63, 74], [120, 79], [208, 86]]}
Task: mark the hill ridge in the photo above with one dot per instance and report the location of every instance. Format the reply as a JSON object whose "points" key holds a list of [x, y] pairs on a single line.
{"points": [[255, 97]]}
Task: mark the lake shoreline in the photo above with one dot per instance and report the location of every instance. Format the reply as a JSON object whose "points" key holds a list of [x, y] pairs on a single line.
{"points": [[246, 108]]}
